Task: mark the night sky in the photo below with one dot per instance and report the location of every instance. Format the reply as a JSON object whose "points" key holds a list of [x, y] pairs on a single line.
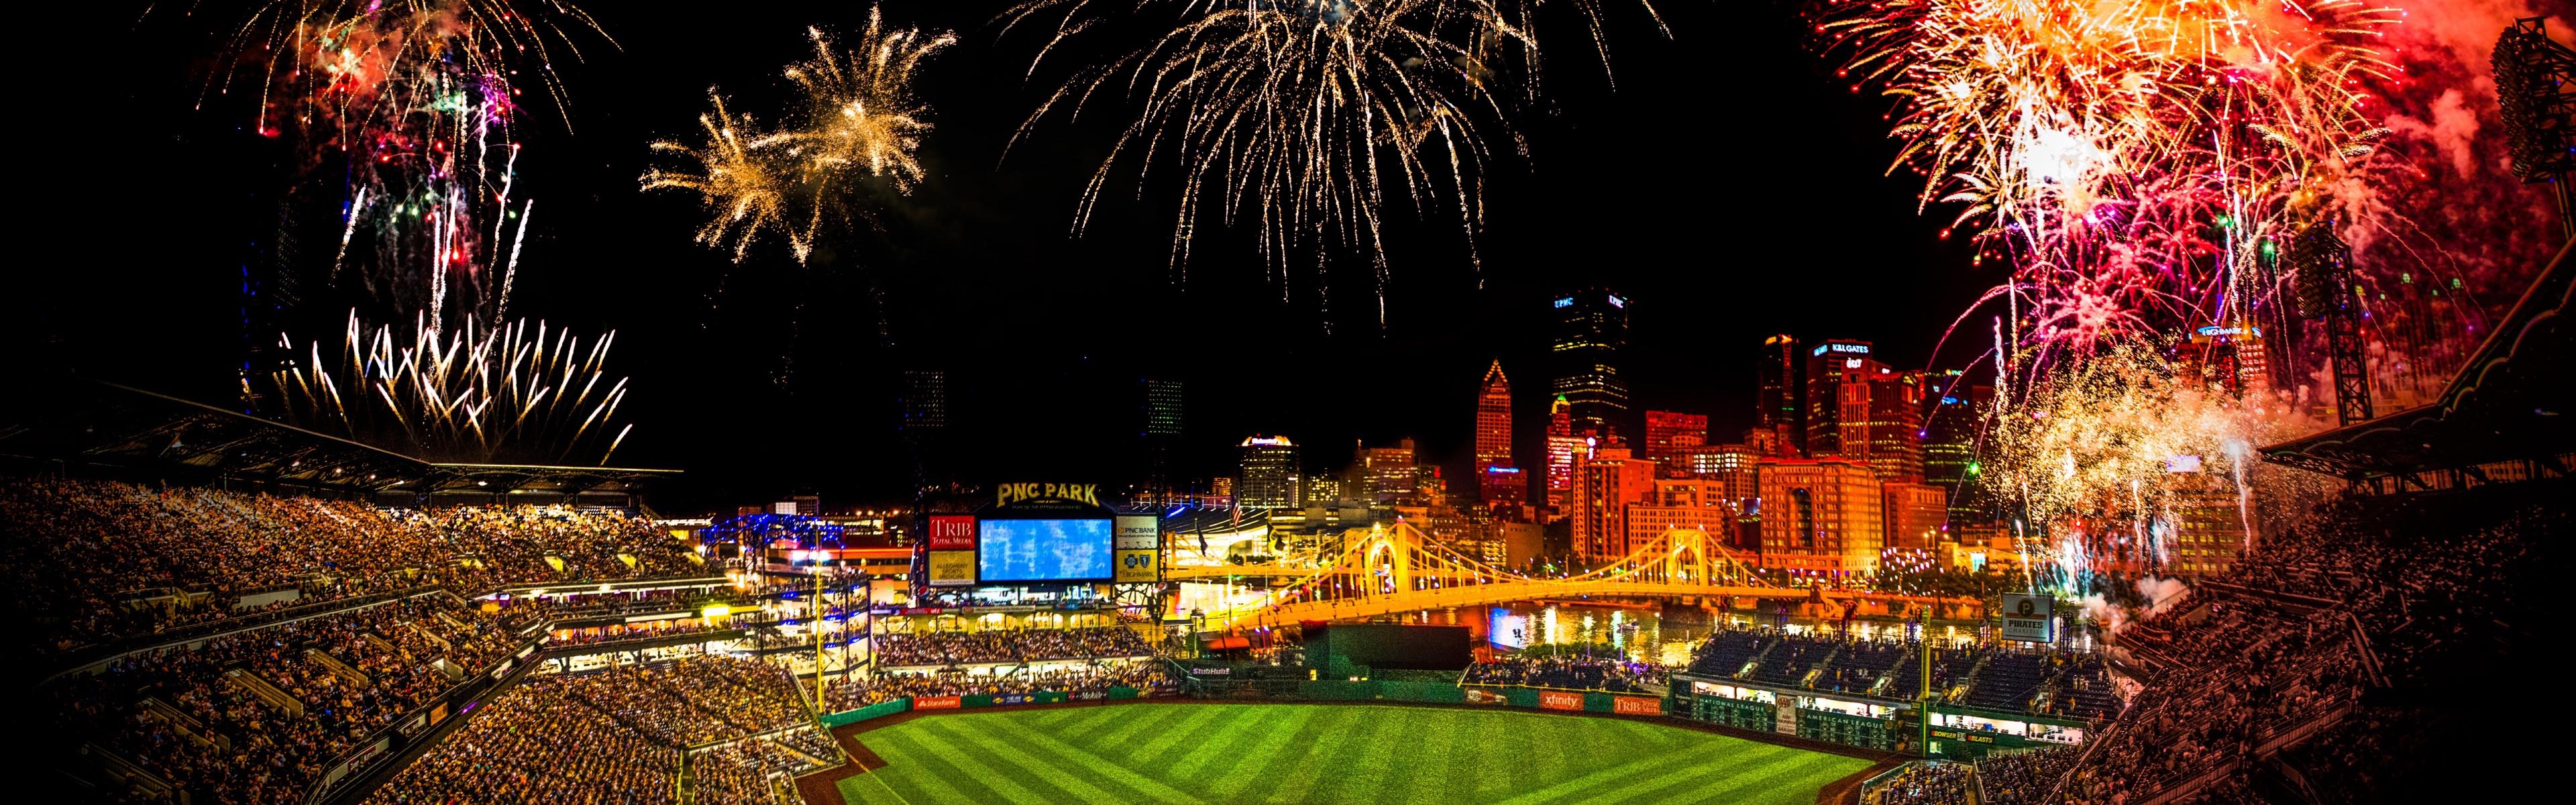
{"points": [[1729, 185]]}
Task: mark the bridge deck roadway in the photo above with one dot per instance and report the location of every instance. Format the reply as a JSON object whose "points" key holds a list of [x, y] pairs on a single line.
{"points": [[1484, 594]]}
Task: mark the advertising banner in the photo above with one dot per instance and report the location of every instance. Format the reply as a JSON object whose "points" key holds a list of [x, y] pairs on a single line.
{"points": [[952, 568], [952, 532], [1139, 566], [937, 702], [1139, 533], [2028, 618], [1560, 700], [1636, 706], [1482, 696]]}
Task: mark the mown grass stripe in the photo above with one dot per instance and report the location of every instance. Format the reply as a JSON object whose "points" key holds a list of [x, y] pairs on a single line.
{"points": [[1076, 757], [906, 767], [1306, 765], [1568, 788], [1725, 760], [975, 768], [1438, 742], [1090, 719], [1214, 740], [1807, 773], [1360, 764], [1144, 719], [1070, 779], [1251, 764], [1202, 714]]}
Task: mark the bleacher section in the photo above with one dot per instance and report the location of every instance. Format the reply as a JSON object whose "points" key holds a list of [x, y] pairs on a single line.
{"points": [[1726, 652], [2005, 680], [2008, 682]]}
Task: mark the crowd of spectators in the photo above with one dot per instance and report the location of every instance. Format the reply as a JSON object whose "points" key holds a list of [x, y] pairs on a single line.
{"points": [[94, 561], [1932, 783], [2023, 778], [1573, 672], [617, 736], [256, 716], [1008, 646], [696, 701], [759, 770], [2395, 594], [536, 744], [1151, 677]]}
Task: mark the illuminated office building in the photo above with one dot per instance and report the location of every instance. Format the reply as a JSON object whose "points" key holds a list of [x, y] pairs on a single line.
{"points": [[1161, 433], [1917, 515], [2228, 359], [1392, 475], [1494, 441], [1667, 434], [1590, 333], [1882, 420], [1950, 443], [1827, 364], [1563, 449], [1779, 403], [1269, 474], [1605, 485], [1820, 515]]}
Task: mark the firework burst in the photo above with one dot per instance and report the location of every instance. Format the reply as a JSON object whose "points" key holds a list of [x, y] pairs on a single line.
{"points": [[741, 177], [861, 120], [403, 112], [519, 392], [1305, 115], [2132, 159]]}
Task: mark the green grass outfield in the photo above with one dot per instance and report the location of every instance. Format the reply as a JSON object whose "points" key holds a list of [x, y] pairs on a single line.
{"points": [[1242, 753]]}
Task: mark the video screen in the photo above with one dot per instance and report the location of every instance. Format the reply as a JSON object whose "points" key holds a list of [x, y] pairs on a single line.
{"points": [[1044, 550]]}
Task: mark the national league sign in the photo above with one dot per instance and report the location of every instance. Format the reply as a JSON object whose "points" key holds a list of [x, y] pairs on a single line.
{"points": [[2029, 618]]}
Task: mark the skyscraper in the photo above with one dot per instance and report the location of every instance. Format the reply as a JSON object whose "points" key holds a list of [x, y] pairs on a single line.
{"points": [[1779, 401], [1604, 487], [1494, 440], [1883, 420], [1591, 331], [925, 401], [1563, 448], [1826, 365], [1950, 440], [1391, 472], [1668, 434], [1161, 432], [1269, 474]]}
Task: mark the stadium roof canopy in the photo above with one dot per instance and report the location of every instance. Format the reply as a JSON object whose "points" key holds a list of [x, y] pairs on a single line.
{"points": [[92, 426], [2510, 402]]}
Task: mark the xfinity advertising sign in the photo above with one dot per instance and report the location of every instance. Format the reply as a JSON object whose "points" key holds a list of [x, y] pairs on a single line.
{"points": [[2027, 618]]}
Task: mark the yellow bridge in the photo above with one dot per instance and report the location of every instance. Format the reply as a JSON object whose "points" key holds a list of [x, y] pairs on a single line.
{"points": [[1382, 571]]}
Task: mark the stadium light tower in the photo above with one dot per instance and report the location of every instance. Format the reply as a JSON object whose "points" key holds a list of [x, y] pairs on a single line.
{"points": [[2536, 94], [2325, 291]]}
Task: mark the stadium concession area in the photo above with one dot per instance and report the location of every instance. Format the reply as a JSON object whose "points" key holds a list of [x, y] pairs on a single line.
{"points": [[1226, 753]]}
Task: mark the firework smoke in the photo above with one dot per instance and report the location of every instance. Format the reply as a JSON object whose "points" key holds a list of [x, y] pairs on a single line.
{"points": [[520, 393], [861, 121]]}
